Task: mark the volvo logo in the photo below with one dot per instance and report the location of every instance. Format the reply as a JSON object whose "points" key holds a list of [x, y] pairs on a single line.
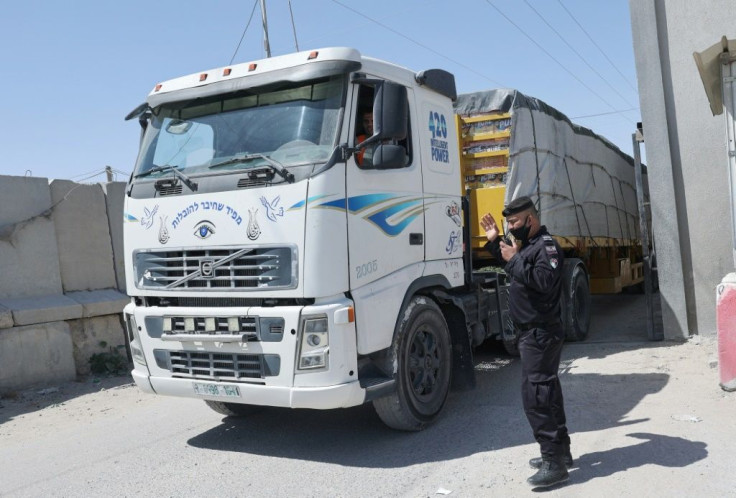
{"points": [[206, 268]]}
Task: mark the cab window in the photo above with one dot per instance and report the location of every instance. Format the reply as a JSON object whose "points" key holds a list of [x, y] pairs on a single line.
{"points": [[364, 130]]}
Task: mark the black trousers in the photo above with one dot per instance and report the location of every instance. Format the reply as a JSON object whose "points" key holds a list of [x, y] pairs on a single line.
{"points": [[541, 393]]}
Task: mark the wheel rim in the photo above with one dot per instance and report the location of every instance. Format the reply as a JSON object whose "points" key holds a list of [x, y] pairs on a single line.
{"points": [[424, 365]]}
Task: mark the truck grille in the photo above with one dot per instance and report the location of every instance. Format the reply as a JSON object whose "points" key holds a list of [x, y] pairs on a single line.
{"points": [[217, 269], [224, 366], [182, 325]]}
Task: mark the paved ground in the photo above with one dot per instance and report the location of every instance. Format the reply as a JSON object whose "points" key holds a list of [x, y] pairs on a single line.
{"points": [[647, 419]]}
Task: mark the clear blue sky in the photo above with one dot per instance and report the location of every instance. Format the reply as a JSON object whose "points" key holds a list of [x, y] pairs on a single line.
{"points": [[72, 70]]}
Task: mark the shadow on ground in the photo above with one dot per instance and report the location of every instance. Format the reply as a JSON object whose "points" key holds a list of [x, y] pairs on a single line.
{"points": [[655, 449], [487, 418]]}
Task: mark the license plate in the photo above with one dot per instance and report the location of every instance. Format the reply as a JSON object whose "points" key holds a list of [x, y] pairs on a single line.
{"points": [[216, 390]]}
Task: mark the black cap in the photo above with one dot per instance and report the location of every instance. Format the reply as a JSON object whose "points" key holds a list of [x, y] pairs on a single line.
{"points": [[517, 205]]}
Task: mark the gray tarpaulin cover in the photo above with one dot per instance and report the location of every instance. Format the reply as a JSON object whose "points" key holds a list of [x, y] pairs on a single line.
{"points": [[583, 185]]}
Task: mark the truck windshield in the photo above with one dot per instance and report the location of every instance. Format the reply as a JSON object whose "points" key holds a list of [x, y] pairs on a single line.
{"points": [[293, 124]]}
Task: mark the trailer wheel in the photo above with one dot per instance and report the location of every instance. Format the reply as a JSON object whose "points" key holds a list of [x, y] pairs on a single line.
{"points": [[511, 347], [232, 409], [575, 300], [423, 360]]}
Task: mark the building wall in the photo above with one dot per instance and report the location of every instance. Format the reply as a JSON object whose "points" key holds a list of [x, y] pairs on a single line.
{"points": [[685, 155]]}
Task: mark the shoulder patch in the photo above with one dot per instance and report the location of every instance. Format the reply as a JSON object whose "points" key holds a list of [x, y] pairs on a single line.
{"points": [[553, 262], [549, 245]]}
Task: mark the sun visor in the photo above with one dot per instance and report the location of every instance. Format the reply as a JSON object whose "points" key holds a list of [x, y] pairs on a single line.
{"points": [[304, 72]]}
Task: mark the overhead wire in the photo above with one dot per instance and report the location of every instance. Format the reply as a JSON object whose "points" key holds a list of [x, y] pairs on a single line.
{"points": [[596, 45], [605, 113], [102, 172], [402, 35], [244, 31], [550, 26], [94, 171], [538, 45]]}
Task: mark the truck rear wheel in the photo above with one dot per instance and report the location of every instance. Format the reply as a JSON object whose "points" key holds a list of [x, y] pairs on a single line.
{"points": [[232, 409], [575, 300], [423, 369]]}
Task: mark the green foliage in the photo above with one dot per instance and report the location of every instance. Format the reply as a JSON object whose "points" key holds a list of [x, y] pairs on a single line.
{"points": [[114, 361]]}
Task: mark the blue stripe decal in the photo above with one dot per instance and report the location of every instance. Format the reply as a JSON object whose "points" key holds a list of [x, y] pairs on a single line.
{"points": [[381, 218], [363, 201], [130, 217], [301, 204], [339, 203]]}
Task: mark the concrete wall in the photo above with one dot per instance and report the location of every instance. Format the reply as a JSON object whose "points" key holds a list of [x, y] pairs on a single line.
{"points": [[29, 261], [685, 155], [60, 261]]}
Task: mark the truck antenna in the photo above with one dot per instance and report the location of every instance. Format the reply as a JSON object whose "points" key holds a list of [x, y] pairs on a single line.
{"points": [[266, 45], [293, 27]]}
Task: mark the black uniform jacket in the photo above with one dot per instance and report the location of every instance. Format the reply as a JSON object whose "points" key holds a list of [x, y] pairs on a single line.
{"points": [[536, 278]]}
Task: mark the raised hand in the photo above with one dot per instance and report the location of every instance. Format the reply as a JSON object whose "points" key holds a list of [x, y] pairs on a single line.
{"points": [[489, 225]]}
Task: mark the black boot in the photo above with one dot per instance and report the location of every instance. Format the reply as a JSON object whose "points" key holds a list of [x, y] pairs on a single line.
{"points": [[536, 463], [551, 471]]}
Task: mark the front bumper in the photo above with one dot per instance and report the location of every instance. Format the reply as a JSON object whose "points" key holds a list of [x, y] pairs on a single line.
{"points": [[327, 397], [335, 386]]}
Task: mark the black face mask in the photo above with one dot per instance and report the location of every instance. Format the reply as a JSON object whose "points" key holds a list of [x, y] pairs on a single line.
{"points": [[522, 233]]}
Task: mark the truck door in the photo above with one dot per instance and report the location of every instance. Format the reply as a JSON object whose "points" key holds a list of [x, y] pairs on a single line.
{"points": [[385, 206]]}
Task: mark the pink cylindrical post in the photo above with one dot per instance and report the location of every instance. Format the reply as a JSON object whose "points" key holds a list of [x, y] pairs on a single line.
{"points": [[726, 323]]}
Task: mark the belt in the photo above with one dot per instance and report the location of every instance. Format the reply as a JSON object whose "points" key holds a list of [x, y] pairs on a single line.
{"points": [[537, 325]]}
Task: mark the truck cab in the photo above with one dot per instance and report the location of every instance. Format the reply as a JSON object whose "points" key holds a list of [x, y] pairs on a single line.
{"points": [[266, 266]]}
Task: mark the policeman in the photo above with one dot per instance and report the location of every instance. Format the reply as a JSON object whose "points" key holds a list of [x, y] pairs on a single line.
{"points": [[534, 266]]}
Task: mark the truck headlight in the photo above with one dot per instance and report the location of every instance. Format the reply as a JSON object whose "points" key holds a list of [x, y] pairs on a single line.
{"points": [[134, 340], [315, 344]]}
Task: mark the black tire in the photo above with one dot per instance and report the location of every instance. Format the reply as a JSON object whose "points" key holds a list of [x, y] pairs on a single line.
{"points": [[575, 301], [511, 346], [423, 358], [232, 409]]}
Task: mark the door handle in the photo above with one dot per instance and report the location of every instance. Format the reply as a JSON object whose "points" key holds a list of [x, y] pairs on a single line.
{"points": [[416, 239]]}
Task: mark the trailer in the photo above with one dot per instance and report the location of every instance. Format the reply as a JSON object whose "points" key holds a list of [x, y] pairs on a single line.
{"points": [[584, 188]]}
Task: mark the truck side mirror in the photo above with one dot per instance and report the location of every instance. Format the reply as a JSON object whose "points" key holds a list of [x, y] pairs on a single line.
{"points": [[390, 111], [388, 156]]}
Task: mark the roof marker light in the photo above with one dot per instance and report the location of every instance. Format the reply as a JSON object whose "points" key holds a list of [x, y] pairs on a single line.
{"points": [[313, 55], [227, 71], [202, 76], [158, 87], [252, 67]]}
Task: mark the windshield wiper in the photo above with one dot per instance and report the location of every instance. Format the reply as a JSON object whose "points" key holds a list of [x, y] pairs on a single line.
{"points": [[184, 178], [275, 165]]}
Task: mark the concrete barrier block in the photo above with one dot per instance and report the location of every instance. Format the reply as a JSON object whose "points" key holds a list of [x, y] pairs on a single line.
{"points": [[6, 318], [83, 236], [96, 335], [100, 302], [115, 201], [29, 256], [42, 309], [35, 355]]}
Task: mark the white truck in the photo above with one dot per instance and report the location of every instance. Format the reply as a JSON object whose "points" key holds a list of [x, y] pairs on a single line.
{"points": [[267, 267]]}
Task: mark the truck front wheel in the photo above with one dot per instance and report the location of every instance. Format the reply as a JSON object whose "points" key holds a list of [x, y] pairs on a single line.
{"points": [[423, 360]]}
